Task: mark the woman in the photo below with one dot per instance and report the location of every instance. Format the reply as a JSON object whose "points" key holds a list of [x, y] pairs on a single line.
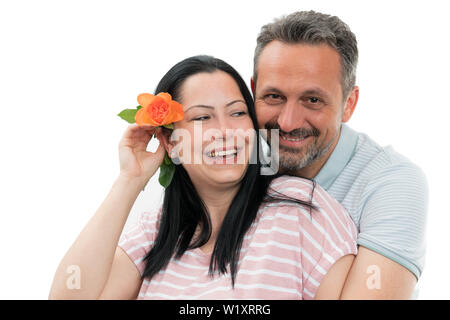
{"points": [[224, 230]]}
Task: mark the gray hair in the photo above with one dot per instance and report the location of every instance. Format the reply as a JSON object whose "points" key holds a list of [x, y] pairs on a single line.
{"points": [[310, 27]]}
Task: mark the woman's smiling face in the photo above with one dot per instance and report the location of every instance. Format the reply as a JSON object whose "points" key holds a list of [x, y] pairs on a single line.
{"points": [[217, 130]]}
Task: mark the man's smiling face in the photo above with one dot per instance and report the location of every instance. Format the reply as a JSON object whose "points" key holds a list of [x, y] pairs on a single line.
{"points": [[298, 91]]}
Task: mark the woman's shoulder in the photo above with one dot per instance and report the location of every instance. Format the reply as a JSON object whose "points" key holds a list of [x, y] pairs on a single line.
{"points": [[301, 189], [150, 219], [327, 211], [137, 240], [142, 231], [287, 180], [294, 187]]}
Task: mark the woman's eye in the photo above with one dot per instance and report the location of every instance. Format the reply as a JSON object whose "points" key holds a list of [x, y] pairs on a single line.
{"points": [[238, 114], [202, 118]]}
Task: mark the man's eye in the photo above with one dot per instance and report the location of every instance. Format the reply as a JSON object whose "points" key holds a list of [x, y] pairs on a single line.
{"points": [[273, 98], [313, 99]]}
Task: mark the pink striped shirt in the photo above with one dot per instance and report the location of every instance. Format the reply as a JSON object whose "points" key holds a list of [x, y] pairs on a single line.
{"points": [[285, 254]]}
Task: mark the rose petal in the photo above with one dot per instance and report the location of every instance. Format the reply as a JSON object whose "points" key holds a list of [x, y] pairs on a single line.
{"points": [[172, 114], [159, 109], [167, 97], [144, 99], [143, 117], [177, 111]]}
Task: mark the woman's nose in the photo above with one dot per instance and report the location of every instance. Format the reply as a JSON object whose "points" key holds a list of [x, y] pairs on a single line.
{"points": [[226, 127]]}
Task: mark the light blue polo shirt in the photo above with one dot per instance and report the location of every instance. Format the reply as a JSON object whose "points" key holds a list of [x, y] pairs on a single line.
{"points": [[385, 194]]}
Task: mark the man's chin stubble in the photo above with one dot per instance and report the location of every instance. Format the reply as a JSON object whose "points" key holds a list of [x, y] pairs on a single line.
{"points": [[293, 161]]}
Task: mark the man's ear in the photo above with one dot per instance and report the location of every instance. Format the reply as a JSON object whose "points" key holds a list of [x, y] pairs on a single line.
{"points": [[350, 104], [252, 85]]}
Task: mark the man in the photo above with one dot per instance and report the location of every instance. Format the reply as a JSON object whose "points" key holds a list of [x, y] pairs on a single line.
{"points": [[304, 85]]}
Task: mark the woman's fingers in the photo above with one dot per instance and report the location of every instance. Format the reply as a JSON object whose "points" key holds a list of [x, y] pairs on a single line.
{"points": [[136, 130], [154, 159], [135, 160], [141, 130], [137, 136], [160, 151]]}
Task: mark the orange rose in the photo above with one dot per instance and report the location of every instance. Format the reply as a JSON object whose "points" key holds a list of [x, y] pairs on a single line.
{"points": [[158, 110]]}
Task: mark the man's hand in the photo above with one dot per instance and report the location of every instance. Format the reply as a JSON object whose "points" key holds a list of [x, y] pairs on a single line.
{"points": [[373, 276]]}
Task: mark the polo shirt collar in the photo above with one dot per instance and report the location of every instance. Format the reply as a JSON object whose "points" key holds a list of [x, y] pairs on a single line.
{"points": [[341, 155]]}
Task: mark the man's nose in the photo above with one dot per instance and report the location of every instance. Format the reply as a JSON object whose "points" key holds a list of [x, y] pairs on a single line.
{"points": [[291, 117]]}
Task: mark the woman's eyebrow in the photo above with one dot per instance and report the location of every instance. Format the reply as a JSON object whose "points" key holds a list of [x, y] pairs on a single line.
{"points": [[199, 106], [211, 107], [233, 102]]}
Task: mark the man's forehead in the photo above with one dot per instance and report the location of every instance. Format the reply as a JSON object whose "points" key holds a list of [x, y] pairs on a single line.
{"points": [[281, 63], [278, 54]]}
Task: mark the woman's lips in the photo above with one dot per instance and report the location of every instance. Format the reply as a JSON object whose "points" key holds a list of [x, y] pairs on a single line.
{"points": [[223, 156], [222, 153]]}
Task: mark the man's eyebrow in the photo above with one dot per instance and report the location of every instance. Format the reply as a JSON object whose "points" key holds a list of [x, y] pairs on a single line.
{"points": [[312, 91], [211, 107], [315, 92], [272, 89]]}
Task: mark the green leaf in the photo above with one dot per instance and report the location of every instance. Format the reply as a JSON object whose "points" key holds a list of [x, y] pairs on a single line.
{"points": [[167, 160], [128, 115], [166, 171], [168, 126]]}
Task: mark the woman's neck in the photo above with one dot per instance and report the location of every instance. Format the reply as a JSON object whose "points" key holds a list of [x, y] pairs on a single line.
{"points": [[217, 201]]}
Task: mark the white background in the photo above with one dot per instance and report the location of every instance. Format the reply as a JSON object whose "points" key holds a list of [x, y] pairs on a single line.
{"points": [[68, 67]]}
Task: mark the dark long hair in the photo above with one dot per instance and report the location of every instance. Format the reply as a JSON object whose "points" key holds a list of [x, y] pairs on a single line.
{"points": [[183, 209]]}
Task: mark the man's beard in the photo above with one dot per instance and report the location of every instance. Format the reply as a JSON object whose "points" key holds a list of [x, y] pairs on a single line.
{"points": [[292, 159]]}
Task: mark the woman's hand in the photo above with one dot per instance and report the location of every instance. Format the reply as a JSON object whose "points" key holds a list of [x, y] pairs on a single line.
{"points": [[135, 161], [94, 251]]}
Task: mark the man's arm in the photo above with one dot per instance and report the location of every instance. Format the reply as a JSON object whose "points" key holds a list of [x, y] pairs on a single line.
{"points": [[331, 286], [373, 276], [392, 236]]}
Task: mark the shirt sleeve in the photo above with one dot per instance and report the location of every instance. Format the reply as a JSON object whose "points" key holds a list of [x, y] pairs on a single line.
{"points": [[335, 236], [137, 240], [393, 218], [326, 233]]}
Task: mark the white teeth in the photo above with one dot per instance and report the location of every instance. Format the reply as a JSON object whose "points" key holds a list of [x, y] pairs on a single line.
{"points": [[291, 139], [213, 153]]}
